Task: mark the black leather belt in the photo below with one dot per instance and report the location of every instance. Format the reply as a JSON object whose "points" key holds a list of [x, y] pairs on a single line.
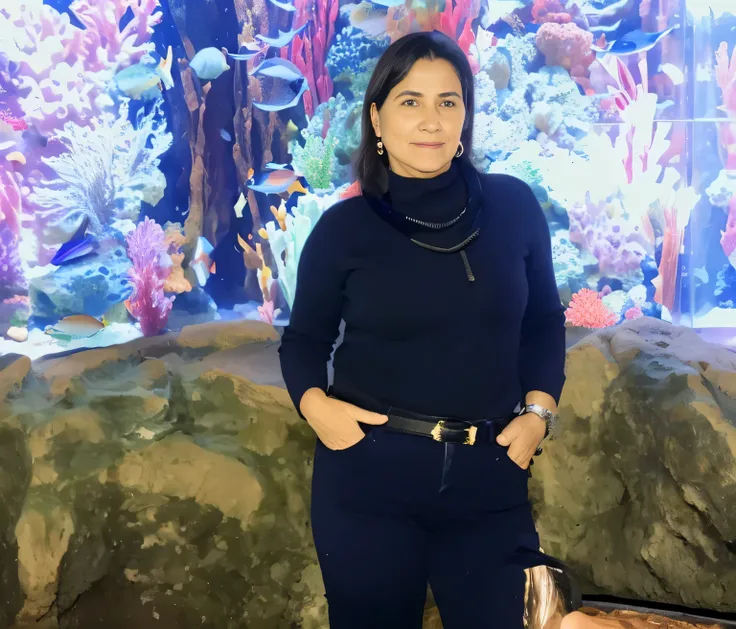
{"points": [[445, 429]]}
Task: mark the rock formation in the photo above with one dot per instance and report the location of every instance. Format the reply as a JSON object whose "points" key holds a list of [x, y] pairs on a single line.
{"points": [[165, 482]]}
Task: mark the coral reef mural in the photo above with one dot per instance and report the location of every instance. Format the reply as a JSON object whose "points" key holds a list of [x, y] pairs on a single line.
{"points": [[162, 162]]}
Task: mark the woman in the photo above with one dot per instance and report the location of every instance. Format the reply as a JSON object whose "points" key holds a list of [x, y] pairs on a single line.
{"points": [[443, 277]]}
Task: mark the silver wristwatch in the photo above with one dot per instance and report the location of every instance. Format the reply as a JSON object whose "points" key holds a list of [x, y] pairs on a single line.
{"points": [[550, 419]]}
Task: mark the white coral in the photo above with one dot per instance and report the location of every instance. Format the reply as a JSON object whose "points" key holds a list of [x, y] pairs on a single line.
{"points": [[105, 174]]}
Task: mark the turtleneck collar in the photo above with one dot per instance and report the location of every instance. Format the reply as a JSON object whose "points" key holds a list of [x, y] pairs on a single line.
{"points": [[435, 199]]}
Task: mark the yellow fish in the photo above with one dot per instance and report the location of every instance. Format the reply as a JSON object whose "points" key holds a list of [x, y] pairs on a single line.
{"points": [[77, 326]]}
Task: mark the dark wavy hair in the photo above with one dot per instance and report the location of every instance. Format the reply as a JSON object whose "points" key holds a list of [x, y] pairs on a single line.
{"points": [[370, 168]]}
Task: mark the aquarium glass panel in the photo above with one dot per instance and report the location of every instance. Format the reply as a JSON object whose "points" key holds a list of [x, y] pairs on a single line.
{"points": [[162, 165]]}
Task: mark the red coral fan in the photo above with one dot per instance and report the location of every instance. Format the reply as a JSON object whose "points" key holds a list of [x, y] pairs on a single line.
{"points": [[566, 45], [16, 124], [587, 310], [550, 11]]}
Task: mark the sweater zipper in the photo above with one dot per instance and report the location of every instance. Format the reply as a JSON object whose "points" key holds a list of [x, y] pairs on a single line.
{"points": [[466, 263]]}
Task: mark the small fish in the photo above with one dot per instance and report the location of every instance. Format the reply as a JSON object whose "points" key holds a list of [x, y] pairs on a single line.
{"points": [[292, 131], [225, 135], [366, 17], [272, 166], [16, 156], [278, 68], [284, 96], [144, 80], [284, 37], [76, 326], [240, 205], [79, 246], [271, 182], [201, 263], [209, 63], [252, 48], [606, 29], [674, 73], [702, 274], [633, 42]]}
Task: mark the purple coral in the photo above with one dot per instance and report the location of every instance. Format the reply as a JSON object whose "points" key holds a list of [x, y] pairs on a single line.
{"points": [[11, 273], [148, 303], [618, 247]]}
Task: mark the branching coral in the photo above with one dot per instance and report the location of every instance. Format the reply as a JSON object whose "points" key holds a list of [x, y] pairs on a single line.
{"points": [[106, 173], [287, 240], [148, 303], [331, 137], [57, 71], [587, 310]]}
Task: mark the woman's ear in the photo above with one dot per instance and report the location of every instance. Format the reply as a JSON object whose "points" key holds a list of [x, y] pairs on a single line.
{"points": [[375, 121]]}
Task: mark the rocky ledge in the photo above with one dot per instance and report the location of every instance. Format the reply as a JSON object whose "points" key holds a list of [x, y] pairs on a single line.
{"points": [[165, 482]]}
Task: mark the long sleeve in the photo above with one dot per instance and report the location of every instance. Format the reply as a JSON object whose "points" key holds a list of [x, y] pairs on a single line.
{"points": [[542, 346], [308, 340]]}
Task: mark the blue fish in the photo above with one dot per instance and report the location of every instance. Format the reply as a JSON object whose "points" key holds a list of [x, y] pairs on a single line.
{"points": [[285, 96], [284, 37], [79, 246], [278, 68], [272, 182], [633, 42]]}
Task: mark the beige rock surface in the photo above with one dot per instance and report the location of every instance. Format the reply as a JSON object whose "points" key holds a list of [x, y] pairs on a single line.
{"points": [[165, 482], [639, 492]]}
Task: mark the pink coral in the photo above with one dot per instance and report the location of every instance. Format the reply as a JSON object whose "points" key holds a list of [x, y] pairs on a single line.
{"points": [[587, 310], [148, 304], [728, 237], [634, 312], [566, 45], [15, 123], [10, 202], [308, 52], [726, 77]]}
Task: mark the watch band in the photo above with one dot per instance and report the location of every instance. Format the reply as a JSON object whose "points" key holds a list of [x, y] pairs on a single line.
{"points": [[550, 420]]}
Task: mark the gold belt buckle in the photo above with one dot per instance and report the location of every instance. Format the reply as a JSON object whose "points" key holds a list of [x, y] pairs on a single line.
{"points": [[469, 440]]}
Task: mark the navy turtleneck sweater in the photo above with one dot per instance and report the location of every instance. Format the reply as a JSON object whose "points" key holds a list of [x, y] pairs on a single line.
{"points": [[418, 334]]}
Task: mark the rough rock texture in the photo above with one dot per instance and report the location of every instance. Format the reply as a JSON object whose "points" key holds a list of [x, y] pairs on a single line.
{"points": [[161, 483], [638, 494], [165, 482]]}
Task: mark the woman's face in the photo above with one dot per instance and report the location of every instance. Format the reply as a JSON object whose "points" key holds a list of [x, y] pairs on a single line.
{"points": [[421, 121]]}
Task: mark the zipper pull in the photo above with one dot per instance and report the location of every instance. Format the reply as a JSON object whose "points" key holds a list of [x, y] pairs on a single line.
{"points": [[466, 263]]}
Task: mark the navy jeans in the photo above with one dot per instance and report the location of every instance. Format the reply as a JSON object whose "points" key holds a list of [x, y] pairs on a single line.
{"points": [[398, 511]]}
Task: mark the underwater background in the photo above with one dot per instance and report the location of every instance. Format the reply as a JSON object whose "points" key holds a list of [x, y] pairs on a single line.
{"points": [[162, 162]]}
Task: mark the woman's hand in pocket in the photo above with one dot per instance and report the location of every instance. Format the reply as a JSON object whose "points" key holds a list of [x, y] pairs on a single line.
{"points": [[336, 423]]}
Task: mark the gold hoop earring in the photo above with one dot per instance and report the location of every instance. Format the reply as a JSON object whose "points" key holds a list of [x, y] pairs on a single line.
{"points": [[460, 150], [380, 147]]}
